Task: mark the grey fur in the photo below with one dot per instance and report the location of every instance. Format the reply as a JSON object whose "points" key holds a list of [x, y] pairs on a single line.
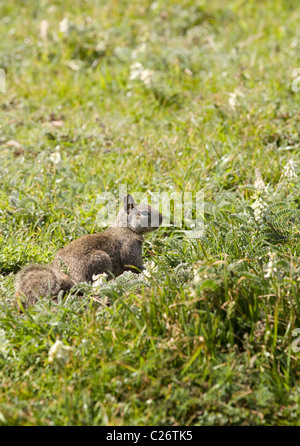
{"points": [[113, 251]]}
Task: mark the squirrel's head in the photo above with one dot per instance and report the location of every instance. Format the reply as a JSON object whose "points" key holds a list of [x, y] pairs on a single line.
{"points": [[140, 218]]}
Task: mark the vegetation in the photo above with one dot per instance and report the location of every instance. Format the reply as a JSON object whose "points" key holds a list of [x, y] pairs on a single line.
{"points": [[166, 96]]}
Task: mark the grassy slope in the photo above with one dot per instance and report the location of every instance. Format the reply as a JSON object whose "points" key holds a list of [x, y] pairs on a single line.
{"points": [[210, 341]]}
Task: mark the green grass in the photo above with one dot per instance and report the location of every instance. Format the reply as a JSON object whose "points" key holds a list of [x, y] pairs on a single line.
{"points": [[207, 340]]}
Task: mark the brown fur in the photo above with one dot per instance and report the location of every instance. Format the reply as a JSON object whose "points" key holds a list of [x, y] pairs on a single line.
{"points": [[113, 251]]}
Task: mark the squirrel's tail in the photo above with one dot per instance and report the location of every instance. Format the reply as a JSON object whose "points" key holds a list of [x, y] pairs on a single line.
{"points": [[35, 281]]}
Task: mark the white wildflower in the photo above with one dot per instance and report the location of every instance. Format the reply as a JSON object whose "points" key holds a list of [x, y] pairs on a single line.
{"points": [[4, 343], [101, 46], [197, 278], [198, 275], [146, 274], [232, 101], [138, 72], [59, 352], [138, 50], [259, 182], [258, 206], [44, 27], [74, 65], [55, 157], [261, 190], [188, 72], [135, 70], [99, 279], [64, 25], [150, 269], [146, 77], [270, 268], [289, 170]]}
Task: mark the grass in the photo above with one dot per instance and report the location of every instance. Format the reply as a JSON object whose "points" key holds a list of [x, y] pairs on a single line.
{"points": [[207, 339]]}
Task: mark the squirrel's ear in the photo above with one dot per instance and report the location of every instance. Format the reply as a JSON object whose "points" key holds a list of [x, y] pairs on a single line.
{"points": [[128, 203]]}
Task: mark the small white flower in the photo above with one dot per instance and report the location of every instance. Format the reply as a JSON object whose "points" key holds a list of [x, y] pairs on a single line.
{"points": [[135, 70], [55, 157], [232, 101], [99, 279], [59, 352], [101, 46], [64, 25], [74, 65], [138, 72], [44, 28], [146, 274], [270, 268], [197, 278], [140, 49], [188, 72], [154, 5], [233, 98], [259, 182], [258, 206], [146, 77], [198, 275], [151, 269], [289, 170]]}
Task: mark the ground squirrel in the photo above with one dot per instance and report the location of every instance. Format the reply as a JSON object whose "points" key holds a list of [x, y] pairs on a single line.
{"points": [[113, 251]]}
